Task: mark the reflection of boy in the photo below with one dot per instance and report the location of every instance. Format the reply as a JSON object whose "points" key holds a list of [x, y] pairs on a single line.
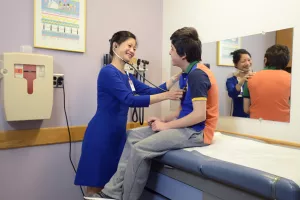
{"points": [[267, 93]]}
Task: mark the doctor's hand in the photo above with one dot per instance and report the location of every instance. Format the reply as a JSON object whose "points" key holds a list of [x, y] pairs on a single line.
{"points": [[174, 94], [159, 126], [170, 83], [176, 77], [246, 78]]}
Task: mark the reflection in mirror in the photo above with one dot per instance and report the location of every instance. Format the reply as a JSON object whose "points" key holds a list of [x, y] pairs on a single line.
{"points": [[253, 74]]}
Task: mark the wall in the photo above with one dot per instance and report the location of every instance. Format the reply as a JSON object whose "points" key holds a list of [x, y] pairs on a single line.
{"points": [[218, 20], [81, 70], [45, 172]]}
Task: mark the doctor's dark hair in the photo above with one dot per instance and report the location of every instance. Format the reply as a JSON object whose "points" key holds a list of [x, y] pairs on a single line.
{"points": [[119, 38], [187, 43], [236, 55], [277, 56]]}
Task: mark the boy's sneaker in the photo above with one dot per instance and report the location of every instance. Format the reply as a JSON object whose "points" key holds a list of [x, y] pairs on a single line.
{"points": [[98, 196]]}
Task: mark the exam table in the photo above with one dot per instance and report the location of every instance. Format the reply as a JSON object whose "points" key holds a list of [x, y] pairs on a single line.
{"points": [[232, 168]]}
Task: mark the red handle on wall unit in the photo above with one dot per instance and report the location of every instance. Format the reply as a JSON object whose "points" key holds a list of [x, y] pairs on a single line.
{"points": [[29, 75]]}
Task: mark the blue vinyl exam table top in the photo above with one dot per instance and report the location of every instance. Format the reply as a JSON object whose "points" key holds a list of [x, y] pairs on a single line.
{"points": [[267, 170]]}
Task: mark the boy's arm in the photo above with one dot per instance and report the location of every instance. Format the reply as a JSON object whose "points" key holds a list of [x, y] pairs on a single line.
{"points": [[196, 116], [247, 105], [168, 118], [172, 116], [246, 96]]}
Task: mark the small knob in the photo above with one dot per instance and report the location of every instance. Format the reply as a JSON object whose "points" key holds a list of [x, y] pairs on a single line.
{"points": [[3, 71]]}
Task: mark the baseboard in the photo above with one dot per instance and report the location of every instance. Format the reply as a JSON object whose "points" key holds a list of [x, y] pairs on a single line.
{"points": [[45, 136]]}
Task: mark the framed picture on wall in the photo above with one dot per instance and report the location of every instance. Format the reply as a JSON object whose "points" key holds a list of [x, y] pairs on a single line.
{"points": [[224, 48], [60, 25]]}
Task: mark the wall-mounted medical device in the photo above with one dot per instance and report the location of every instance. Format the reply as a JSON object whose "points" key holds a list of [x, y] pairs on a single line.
{"points": [[139, 64], [27, 80]]}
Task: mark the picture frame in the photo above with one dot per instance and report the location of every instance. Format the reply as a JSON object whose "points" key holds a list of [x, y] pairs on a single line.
{"points": [[224, 48], [60, 25]]}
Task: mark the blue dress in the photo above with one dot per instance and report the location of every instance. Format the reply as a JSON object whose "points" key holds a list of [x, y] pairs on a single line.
{"points": [[105, 135], [237, 98]]}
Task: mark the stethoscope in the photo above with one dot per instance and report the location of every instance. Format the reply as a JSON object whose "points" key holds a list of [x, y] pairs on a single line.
{"points": [[139, 72]]}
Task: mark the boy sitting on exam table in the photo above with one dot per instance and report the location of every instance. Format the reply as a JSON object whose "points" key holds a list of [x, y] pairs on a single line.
{"points": [[193, 125]]}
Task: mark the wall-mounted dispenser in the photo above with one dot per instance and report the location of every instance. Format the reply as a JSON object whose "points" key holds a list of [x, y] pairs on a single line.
{"points": [[27, 80]]}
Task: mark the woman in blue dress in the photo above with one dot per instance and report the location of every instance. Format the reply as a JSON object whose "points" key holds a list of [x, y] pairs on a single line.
{"points": [[105, 135], [242, 62]]}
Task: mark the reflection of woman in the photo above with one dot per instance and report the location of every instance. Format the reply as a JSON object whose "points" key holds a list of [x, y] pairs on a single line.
{"points": [[242, 61]]}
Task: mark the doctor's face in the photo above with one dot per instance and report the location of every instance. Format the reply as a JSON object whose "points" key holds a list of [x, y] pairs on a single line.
{"points": [[244, 63], [127, 49]]}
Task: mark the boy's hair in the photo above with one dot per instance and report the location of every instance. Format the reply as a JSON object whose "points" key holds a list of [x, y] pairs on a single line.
{"points": [[187, 43], [277, 56]]}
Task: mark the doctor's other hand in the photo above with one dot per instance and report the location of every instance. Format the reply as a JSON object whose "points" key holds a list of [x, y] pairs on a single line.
{"points": [[174, 94], [171, 82], [176, 77], [246, 78]]}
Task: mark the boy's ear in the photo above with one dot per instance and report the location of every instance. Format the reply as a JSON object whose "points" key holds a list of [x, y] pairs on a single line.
{"points": [[265, 60]]}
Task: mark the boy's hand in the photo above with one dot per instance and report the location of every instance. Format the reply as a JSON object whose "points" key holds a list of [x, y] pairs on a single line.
{"points": [[153, 119], [159, 126]]}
